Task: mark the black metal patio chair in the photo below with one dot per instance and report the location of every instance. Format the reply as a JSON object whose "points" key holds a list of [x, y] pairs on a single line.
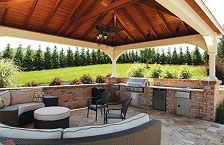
{"points": [[101, 102]]}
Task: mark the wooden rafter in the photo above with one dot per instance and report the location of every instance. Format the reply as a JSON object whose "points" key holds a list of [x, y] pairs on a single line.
{"points": [[52, 14], [165, 23], [30, 13], [156, 6], [4, 16], [185, 27], [112, 6], [81, 11], [119, 37], [70, 16], [125, 29], [115, 25], [132, 23], [146, 20], [90, 9]]}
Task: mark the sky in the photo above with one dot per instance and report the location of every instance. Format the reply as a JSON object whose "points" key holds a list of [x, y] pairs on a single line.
{"points": [[215, 6]]}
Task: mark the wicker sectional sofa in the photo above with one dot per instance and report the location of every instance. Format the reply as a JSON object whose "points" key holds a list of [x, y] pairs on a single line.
{"points": [[23, 101], [136, 130]]}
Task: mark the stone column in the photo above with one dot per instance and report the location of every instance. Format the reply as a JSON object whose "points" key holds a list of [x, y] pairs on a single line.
{"points": [[114, 74]]}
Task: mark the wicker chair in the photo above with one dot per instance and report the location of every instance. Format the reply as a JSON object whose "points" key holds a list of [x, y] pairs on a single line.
{"points": [[123, 110], [102, 100]]}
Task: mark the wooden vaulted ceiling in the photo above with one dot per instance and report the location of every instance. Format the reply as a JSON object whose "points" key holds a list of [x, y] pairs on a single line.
{"points": [[141, 20]]}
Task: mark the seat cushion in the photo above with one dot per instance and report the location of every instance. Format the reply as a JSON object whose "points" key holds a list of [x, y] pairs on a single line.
{"points": [[5, 97], [15, 132], [85, 131], [51, 113], [25, 107], [23, 95]]}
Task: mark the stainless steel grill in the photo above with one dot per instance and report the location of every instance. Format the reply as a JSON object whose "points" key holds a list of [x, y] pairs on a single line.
{"points": [[135, 84]]}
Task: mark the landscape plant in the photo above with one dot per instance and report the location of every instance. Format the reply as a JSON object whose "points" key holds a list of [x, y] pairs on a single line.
{"points": [[170, 74], [75, 82], [86, 79], [8, 73], [156, 71], [136, 70], [100, 79], [31, 84], [56, 81], [185, 72], [219, 118]]}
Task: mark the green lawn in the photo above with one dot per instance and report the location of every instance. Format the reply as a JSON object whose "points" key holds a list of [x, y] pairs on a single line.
{"points": [[70, 73]]}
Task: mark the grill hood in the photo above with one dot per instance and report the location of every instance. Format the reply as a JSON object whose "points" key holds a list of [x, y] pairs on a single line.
{"points": [[137, 82]]}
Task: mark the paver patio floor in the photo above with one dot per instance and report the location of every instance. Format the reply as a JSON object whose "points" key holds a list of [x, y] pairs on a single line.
{"points": [[176, 130]]}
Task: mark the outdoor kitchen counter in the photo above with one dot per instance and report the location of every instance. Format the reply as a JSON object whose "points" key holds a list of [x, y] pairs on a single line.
{"points": [[175, 88]]}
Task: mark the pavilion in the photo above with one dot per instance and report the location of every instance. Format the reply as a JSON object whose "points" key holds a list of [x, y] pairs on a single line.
{"points": [[113, 26]]}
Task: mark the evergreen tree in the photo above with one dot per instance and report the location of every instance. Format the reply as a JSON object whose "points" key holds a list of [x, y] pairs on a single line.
{"points": [[70, 58], [99, 57], [163, 57], [153, 56], [130, 57], [83, 59], [18, 58], [196, 57], [28, 59], [47, 59], [169, 56], [157, 57], [62, 58], [174, 58], [38, 59], [181, 56], [187, 57], [94, 57], [146, 54], [137, 56], [205, 58], [55, 58], [8, 52], [221, 47], [133, 56], [88, 57], [77, 60]]}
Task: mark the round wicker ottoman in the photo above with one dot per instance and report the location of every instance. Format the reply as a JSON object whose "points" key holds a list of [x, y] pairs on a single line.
{"points": [[51, 117]]}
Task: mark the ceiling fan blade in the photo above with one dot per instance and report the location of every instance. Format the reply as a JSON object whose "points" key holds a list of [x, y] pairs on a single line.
{"points": [[110, 33], [114, 29], [101, 27]]}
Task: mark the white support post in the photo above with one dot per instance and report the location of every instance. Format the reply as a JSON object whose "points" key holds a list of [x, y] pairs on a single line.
{"points": [[114, 74], [212, 76]]}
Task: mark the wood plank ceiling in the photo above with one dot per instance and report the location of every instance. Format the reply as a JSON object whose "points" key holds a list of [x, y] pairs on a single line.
{"points": [[140, 20]]}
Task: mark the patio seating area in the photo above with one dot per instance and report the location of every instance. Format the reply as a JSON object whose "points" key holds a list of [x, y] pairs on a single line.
{"points": [[176, 130]]}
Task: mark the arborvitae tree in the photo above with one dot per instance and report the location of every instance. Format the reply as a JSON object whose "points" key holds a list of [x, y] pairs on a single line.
{"points": [[153, 56], [70, 58], [133, 56], [157, 57], [127, 58], [38, 59], [77, 57], [187, 57], [62, 58], [196, 57], [169, 56], [181, 56], [18, 58], [88, 57], [28, 59], [130, 57], [205, 58], [99, 57], [106, 58], [120, 59], [174, 58], [83, 57], [8, 52], [94, 57], [146, 54], [221, 47], [137, 56], [55, 58], [163, 57], [47, 59]]}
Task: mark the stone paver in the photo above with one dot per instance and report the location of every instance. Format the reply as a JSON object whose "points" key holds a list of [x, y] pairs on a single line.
{"points": [[176, 130]]}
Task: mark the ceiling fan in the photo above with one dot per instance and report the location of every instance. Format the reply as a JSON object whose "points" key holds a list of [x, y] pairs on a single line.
{"points": [[104, 31]]}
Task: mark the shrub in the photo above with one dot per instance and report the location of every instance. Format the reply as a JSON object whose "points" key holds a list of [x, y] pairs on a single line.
{"points": [[86, 79], [219, 118], [136, 70], [100, 79], [31, 84], [56, 81], [170, 74], [108, 75], [75, 82], [156, 71], [8, 73], [184, 72], [220, 69]]}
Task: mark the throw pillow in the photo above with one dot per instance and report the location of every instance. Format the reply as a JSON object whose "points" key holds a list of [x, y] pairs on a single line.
{"points": [[2, 103], [5, 96], [38, 97]]}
